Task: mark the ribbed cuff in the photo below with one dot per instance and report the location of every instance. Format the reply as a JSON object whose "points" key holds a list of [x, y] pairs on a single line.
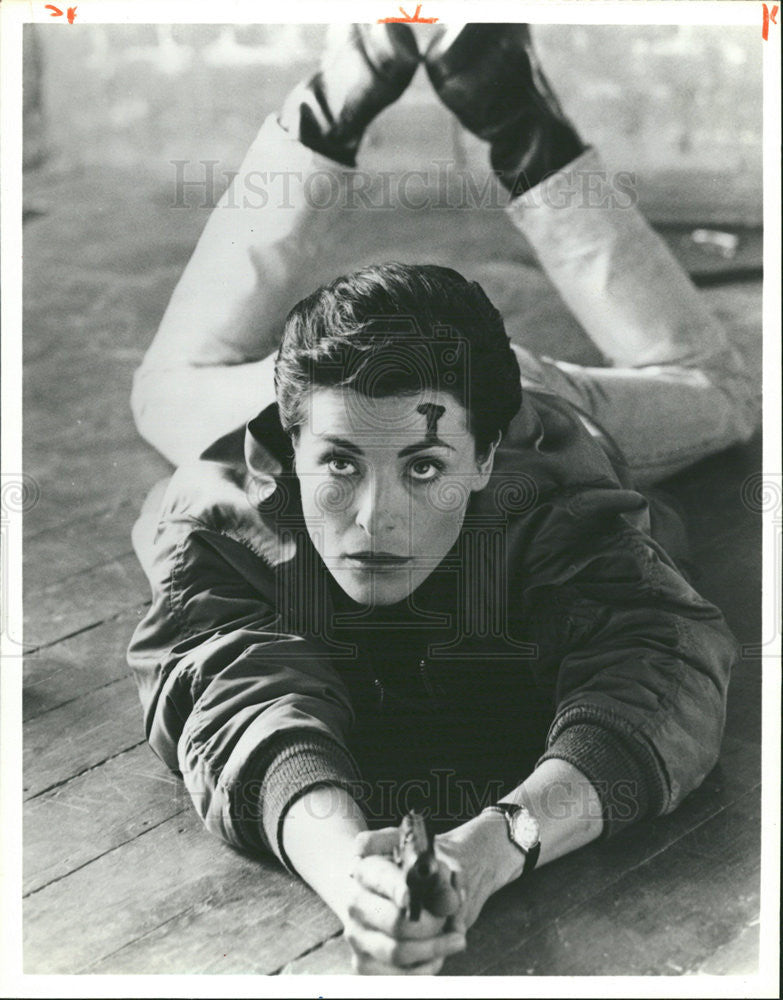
{"points": [[617, 776], [302, 762]]}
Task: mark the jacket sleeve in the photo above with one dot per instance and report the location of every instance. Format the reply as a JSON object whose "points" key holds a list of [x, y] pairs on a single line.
{"points": [[252, 717], [641, 689]]}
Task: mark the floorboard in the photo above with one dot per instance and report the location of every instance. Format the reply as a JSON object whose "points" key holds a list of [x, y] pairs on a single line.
{"points": [[97, 812], [172, 899], [81, 734], [84, 600], [72, 668], [55, 554]]}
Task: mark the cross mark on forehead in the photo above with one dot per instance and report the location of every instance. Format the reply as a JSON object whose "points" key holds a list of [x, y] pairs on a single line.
{"points": [[432, 412]]}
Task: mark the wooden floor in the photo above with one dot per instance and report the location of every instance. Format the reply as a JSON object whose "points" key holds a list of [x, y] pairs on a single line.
{"points": [[119, 876]]}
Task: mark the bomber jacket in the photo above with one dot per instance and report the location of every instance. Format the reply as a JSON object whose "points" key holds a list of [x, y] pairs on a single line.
{"points": [[557, 626]]}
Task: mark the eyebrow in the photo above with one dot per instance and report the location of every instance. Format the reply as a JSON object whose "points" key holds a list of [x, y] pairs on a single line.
{"points": [[407, 450]]}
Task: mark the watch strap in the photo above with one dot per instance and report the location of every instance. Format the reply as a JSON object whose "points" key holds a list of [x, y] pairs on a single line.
{"points": [[509, 810]]}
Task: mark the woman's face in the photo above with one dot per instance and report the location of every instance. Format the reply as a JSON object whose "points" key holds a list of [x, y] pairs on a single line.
{"points": [[385, 484]]}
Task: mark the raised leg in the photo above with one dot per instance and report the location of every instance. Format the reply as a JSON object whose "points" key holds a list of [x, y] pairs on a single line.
{"points": [[676, 389], [208, 369], [203, 375]]}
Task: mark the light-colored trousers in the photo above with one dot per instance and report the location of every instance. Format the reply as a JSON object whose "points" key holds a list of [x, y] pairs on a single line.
{"points": [[674, 388]]}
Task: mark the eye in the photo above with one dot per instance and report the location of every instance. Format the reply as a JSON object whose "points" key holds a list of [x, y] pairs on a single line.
{"points": [[339, 466], [425, 469]]}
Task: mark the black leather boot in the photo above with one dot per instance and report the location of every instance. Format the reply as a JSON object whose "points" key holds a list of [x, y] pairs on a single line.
{"points": [[365, 68], [488, 75]]}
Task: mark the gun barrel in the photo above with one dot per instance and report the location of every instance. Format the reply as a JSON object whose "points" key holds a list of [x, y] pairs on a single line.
{"points": [[417, 859]]}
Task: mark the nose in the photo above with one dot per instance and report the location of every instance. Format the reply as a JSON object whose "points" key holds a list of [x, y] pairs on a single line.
{"points": [[380, 506]]}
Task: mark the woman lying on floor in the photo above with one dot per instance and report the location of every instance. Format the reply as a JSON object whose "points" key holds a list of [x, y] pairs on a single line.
{"points": [[422, 573]]}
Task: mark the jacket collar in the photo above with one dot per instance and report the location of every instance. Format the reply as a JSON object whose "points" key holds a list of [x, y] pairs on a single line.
{"points": [[267, 450]]}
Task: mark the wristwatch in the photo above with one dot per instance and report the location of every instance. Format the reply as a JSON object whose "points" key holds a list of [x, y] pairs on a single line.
{"points": [[523, 831]]}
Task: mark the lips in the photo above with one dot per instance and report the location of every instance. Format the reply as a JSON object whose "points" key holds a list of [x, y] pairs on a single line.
{"points": [[377, 560]]}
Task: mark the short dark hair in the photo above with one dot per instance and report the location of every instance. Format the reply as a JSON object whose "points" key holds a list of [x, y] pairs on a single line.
{"points": [[394, 328]]}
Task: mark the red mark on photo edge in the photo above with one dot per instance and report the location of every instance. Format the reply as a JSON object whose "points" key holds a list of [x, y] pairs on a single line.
{"points": [[768, 16], [407, 19], [56, 12]]}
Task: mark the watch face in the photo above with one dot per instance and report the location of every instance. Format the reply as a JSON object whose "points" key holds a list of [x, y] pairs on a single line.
{"points": [[526, 831]]}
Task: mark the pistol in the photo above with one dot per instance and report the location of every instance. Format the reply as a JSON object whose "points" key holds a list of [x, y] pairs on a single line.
{"points": [[415, 855]]}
